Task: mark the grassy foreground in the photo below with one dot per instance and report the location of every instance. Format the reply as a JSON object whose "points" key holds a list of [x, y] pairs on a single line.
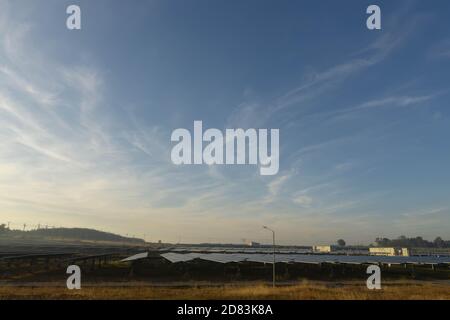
{"points": [[303, 291]]}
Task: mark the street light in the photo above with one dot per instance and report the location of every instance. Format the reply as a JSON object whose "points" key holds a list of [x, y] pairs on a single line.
{"points": [[273, 267]]}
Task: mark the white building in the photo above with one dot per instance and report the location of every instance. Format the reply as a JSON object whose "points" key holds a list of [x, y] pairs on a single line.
{"points": [[253, 244], [323, 249], [390, 251]]}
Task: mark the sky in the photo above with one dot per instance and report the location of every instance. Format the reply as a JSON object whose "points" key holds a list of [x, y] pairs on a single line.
{"points": [[86, 118]]}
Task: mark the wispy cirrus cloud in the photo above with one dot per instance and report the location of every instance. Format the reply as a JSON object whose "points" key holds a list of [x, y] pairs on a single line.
{"points": [[318, 83]]}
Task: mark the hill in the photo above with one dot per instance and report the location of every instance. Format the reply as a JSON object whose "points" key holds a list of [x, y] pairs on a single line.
{"points": [[83, 234]]}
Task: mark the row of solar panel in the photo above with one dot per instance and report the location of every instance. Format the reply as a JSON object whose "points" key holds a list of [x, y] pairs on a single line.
{"points": [[294, 258]]}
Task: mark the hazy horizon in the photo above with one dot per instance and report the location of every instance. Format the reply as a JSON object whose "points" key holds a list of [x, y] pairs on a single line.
{"points": [[243, 241]]}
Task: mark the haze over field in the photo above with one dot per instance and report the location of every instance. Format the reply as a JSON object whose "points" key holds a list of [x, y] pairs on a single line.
{"points": [[86, 118]]}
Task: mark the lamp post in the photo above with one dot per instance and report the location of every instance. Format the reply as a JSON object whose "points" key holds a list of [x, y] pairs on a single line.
{"points": [[273, 266]]}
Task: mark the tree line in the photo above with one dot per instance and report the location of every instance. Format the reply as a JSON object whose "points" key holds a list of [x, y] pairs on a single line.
{"points": [[418, 242]]}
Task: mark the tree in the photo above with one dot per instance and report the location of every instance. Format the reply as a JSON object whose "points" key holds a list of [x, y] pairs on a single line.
{"points": [[2, 228], [341, 242], [417, 242], [438, 242]]}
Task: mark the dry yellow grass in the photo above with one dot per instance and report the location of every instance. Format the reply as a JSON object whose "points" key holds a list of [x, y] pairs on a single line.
{"points": [[304, 291]]}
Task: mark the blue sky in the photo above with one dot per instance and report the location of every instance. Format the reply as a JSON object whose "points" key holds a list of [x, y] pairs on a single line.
{"points": [[86, 118]]}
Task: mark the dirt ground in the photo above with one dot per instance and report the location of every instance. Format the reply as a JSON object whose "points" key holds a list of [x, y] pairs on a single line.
{"points": [[410, 290]]}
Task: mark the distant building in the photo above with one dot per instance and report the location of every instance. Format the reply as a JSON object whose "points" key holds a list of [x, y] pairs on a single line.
{"points": [[429, 251], [391, 252], [407, 252], [253, 244], [323, 249]]}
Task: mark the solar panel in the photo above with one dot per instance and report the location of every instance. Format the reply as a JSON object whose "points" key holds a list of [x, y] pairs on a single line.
{"points": [[302, 258], [136, 257]]}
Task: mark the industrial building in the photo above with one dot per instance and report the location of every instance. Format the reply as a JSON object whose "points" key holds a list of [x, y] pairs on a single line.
{"points": [[391, 252], [323, 249]]}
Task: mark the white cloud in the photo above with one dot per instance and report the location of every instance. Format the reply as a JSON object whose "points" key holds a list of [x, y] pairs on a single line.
{"points": [[318, 83], [303, 200]]}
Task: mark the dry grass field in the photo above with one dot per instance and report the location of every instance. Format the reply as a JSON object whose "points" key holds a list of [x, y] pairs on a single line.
{"points": [[302, 291]]}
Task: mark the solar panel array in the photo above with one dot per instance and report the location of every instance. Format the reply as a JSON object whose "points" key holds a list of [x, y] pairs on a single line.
{"points": [[303, 258], [136, 257]]}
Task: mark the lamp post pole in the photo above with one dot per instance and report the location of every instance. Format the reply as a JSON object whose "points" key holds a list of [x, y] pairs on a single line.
{"points": [[273, 266]]}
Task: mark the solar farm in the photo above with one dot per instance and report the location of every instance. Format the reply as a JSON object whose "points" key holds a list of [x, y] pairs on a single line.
{"points": [[29, 263]]}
